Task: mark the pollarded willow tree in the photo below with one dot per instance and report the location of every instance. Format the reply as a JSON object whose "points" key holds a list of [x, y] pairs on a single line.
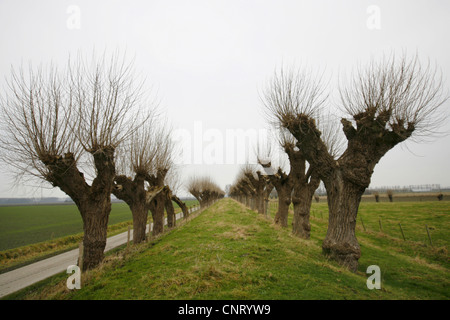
{"points": [[136, 160], [242, 190], [387, 102], [261, 185], [59, 125], [162, 166], [205, 190], [173, 185], [304, 177], [280, 178]]}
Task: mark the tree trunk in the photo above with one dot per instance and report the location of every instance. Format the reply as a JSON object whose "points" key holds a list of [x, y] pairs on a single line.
{"points": [[157, 209], [93, 202], [302, 199], [340, 243], [171, 217], [260, 203], [267, 191], [284, 201], [140, 215], [95, 223], [134, 194], [182, 205]]}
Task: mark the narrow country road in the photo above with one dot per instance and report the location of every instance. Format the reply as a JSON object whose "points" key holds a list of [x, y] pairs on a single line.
{"points": [[20, 278]]}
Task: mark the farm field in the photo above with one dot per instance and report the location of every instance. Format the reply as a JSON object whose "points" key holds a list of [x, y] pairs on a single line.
{"points": [[231, 252]]}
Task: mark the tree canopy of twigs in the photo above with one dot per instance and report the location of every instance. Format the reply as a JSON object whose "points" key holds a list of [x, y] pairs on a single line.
{"points": [[205, 190]]}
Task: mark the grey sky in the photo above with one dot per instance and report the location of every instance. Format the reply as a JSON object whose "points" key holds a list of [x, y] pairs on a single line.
{"points": [[208, 59]]}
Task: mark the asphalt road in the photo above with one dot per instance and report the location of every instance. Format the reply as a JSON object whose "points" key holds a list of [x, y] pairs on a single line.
{"points": [[23, 277]]}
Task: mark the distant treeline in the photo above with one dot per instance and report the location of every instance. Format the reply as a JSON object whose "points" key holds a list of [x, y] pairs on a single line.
{"points": [[397, 189], [11, 201]]}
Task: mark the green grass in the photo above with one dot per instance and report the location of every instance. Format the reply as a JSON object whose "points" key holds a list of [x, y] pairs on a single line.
{"points": [[231, 252], [413, 216]]}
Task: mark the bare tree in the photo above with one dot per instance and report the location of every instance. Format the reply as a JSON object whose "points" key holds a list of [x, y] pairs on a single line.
{"points": [[174, 185], [57, 123], [135, 163], [305, 181], [261, 185], [279, 178], [205, 190], [377, 196], [388, 102], [242, 190], [161, 167]]}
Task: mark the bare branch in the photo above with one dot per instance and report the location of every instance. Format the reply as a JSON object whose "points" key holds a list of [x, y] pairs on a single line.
{"points": [[293, 91], [401, 95]]}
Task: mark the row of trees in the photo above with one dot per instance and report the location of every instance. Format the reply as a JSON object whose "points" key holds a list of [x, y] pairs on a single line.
{"points": [[384, 104], [92, 130], [205, 190]]}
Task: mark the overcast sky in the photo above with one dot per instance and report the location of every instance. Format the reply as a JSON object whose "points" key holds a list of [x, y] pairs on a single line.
{"points": [[210, 59]]}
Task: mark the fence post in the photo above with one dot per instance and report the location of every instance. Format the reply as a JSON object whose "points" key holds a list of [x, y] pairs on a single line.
{"points": [[128, 236], [362, 222], [267, 207], [429, 237], [401, 229], [80, 256]]}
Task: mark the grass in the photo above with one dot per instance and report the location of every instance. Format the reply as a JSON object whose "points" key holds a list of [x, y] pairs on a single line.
{"points": [[231, 252], [31, 233], [413, 217]]}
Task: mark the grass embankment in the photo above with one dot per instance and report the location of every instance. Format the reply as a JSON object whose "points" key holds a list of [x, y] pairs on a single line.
{"points": [[31, 233], [231, 252]]}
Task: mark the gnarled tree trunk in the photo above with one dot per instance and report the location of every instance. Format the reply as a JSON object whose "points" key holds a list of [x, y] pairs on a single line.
{"points": [[284, 201], [340, 242], [157, 209], [302, 199], [157, 203], [134, 194], [93, 202], [170, 210], [140, 216], [95, 223], [182, 205]]}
